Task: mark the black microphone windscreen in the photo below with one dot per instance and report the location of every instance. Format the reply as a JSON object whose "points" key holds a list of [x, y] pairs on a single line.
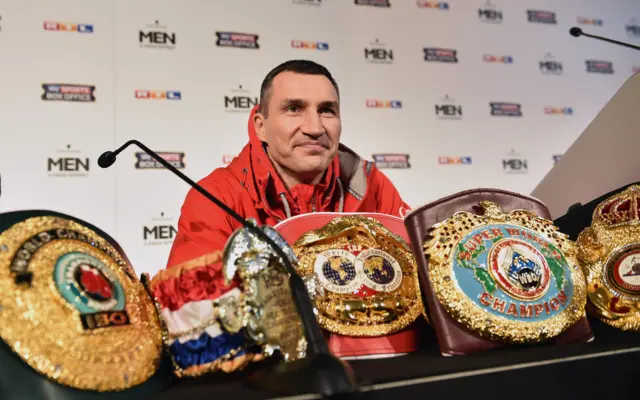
{"points": [[575, 31], [106, 159]]}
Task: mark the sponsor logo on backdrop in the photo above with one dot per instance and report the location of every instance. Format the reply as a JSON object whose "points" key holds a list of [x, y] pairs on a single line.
{"points": [[440, 55], [67, 27], [157, 36], [633, 28], [440, 5], [506, 109], [497, 59], [448, 109], [589, 21], [308, 2], [394, 161], [160, 231], [540, 16], [145, 161], [68, 163], [240, 100], [158, 94], [556, 158], [375, 3], [558, 110], [68, 92], [383, 103], [227, 158], [236, 39], [549, 65], [490, 13], [599, 67], [378, 53], [301, 44], [458, 160], [514, 163]]}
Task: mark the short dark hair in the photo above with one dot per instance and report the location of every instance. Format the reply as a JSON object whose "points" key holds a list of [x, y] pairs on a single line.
{"points": [[297, 66]]}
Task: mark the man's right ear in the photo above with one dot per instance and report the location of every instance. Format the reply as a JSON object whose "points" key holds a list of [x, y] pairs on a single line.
{"points": [[258, 125]]}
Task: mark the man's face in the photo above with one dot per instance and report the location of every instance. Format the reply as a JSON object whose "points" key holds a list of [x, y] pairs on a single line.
{"points": [[302, 128]]}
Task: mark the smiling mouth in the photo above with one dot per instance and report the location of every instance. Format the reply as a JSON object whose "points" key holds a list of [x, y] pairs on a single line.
{"points": [[314, 145]]}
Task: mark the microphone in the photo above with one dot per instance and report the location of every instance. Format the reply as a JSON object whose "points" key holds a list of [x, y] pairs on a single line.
{"points": [[106, 159], [575, 31], [321, 370]]}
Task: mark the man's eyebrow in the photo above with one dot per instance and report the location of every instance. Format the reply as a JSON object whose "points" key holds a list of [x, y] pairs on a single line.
{"points": [[293, 101], [328, 103]]}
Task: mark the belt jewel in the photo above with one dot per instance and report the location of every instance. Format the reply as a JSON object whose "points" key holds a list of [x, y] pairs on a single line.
{"points": [[609, 253], [265, 309], [362, 276], [508, 277], [72, 308]]}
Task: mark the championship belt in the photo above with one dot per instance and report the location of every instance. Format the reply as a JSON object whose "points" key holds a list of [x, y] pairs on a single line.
{"points": [[265, 309], [226, 309], [71, 306], [362, 277], [609, 253], [496, 278]]}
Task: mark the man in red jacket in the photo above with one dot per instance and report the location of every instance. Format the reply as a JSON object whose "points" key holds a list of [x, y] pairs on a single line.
{"points": [[293, 164]]}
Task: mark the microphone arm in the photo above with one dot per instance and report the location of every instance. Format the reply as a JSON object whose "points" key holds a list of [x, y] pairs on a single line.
{"points": [[313, 334], [575, 31]]}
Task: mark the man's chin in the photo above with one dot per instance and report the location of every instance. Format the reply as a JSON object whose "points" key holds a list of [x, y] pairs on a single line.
{"points": [[312, 170]]}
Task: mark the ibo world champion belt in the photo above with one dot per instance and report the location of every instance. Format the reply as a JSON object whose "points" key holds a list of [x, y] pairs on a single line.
{"points": [[71, 307], [365, 276], [609, 253], [508, 277]]}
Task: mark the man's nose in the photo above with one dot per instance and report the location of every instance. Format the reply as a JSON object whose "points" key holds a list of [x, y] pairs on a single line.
{"points": [[312, 124]]}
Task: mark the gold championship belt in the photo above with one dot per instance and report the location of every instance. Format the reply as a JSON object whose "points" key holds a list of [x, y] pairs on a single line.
{"points": [[265, 309], [507, 277], [609, 253], [363, 277], [72, 308]]}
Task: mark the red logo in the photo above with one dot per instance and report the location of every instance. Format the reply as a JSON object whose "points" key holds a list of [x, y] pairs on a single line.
{"points": [[94, 283]]}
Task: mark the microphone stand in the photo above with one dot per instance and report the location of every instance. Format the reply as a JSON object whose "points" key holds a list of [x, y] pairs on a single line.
{"points": [[575, 31], [320, 372]]}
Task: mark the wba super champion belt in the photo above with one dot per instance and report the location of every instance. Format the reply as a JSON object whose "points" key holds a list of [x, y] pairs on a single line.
{"points": [[507, 277], [363, 277], [609, 253], [72, 308]]}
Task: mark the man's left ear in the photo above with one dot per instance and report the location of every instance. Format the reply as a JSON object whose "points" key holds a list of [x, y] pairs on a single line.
{"points": [[258, 125]]}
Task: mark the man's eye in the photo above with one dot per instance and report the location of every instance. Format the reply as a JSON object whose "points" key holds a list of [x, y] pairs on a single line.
{"points": [[327, 110], [293, 108]]}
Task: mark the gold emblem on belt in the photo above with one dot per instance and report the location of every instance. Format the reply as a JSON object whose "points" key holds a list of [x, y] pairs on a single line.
{"points": [[609, 252], [72, 309], [364, 277]]}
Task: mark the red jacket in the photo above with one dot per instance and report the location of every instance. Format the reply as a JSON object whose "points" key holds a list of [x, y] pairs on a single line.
{"points": [[251, 186]]}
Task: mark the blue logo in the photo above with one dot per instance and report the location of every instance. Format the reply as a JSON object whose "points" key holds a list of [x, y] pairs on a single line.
{"points": [[512, 272]]}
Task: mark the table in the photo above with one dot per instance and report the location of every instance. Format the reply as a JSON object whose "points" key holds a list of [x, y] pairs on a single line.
{"points": [[581, 370]]}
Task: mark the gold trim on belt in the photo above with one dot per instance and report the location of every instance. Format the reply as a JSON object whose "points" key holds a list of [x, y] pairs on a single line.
{"points": [[363, 277], [609, 252], [72, 309], [510, 277]]}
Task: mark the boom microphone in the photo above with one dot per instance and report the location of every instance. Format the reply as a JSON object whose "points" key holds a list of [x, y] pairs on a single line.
{"points": [[575, 31], [328, 374]]}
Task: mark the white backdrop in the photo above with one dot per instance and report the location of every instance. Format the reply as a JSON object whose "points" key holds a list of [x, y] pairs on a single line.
{"points": [[160, 77]]}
